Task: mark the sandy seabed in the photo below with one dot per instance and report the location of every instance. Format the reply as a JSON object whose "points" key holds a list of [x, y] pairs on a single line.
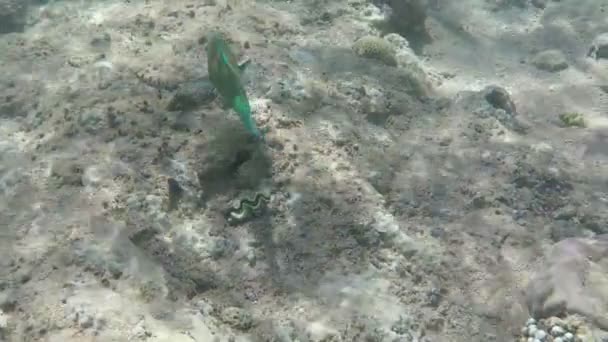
{"points": [[451, 190]]}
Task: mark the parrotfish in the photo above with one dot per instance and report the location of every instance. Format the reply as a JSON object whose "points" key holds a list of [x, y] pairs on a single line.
{"points": [[225, 74]]}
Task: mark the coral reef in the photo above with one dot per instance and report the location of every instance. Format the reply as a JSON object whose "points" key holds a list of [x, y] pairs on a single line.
{"points": [[404, 192], [375, 48]]}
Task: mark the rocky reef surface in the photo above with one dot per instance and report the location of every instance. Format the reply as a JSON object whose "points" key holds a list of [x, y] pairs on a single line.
{"points": [[434, 171]]}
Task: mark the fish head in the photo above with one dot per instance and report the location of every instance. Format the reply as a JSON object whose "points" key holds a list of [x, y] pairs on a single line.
{"points": [[219, 52], [214, 40]]}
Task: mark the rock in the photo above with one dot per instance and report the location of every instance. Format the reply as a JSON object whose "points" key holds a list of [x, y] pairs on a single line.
{"points": [[499, 98], [417, 80], [437, 232], [599, 47], [492, 101], [81, 315], [16, 101], [347, 66], [12, 15], [408, 338], [251, 172], [139, 332], [280, 331], [407, 17], [102, 41], [3, 322], [281, 335], [104, 74], [403, 325], [237, 318], [540, 335], [221, 248], [434, 297], [251, 258], [556, 330], [191, 95], [175, 192], [205, 307], [550, 60], [572, 279], [539, 3], [67, 172], [399, 42], [79, 61], [503, 4], [561, 229], [375, 104], [93, 176], [403, 51], [376, 334], [225, 156], [92, 120], [8, 302]]}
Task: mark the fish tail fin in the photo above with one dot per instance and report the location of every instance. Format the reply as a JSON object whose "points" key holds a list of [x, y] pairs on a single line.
{"points": [[240, 104]]}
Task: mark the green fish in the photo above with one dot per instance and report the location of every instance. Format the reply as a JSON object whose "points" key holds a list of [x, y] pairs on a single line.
{"points": [[225, 74]]}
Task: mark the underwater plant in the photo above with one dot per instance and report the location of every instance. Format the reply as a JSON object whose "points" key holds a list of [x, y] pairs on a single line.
{"points": [[572, 119]]}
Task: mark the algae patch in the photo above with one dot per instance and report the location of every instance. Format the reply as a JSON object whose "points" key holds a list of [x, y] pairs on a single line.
{"points": [[572, 119]]}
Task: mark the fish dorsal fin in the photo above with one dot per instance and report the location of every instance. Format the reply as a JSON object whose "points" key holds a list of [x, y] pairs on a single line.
{"points": [[225, 58], [244, 64]]}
